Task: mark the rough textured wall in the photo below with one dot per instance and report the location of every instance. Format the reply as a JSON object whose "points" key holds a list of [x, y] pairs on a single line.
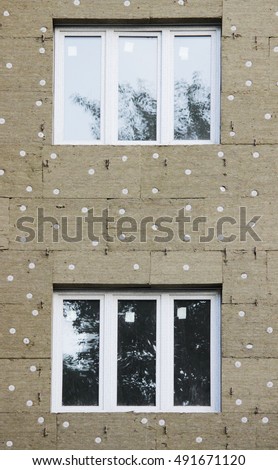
{"points": [[244, 164]]}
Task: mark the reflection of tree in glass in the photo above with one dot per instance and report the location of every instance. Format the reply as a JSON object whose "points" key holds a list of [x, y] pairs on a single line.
{"points": [[137, 112], [81, 366], [192, 110], [192, 353], [137, 353], [92, 107]]}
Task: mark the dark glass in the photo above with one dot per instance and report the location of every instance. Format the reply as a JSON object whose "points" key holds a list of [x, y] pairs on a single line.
{"points": [[80, 352], [136, 353], [192, 352]]}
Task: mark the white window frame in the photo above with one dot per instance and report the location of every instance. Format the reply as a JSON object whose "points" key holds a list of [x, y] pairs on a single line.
{"points": [[109, 94], [108, 350]]}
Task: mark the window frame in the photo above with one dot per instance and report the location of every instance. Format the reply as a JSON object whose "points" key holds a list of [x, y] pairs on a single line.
{"points": [[108, 350], [109, 95]]}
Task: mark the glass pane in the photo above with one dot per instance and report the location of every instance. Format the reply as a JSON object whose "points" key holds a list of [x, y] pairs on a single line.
{"points": [[192, 91], [80, 352], [136, 352], [192, 352], [82, 88], [137, 88]]}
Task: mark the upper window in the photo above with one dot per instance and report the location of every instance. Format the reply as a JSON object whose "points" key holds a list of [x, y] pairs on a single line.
{"points": [[136, 351], [130, 86]]}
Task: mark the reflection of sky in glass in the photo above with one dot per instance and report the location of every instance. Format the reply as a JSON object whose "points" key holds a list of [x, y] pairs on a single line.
{"points": [[73, 342], [138, 61], [82, 72], [192, 54]]}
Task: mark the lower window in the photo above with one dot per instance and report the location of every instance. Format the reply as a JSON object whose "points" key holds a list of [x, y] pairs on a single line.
{"points": [[136, 351]]}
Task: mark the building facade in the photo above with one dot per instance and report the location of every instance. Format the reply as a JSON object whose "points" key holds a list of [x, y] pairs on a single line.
{"points": [[134, 220]]}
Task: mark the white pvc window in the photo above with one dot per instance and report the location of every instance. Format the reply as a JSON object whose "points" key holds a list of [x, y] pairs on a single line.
{"points": [[134, 86], [130, 351]]}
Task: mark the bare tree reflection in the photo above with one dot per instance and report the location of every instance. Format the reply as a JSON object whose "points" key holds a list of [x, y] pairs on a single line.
{"points": [[137, 353], [81, 360], [138, 111], [192, 353]]}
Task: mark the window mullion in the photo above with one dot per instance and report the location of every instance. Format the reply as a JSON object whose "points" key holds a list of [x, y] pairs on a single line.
{"points": [[215, 87], [159, 348], [166, 119], [110, 352], [167, 352], [111, 95], [101, 354], [159, 93], [215, 353]]}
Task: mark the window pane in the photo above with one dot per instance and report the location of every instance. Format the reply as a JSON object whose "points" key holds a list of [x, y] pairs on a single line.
{"points": [[137, 88], [192, 352], [136, 352], [80, 352], [192, 75], [82, 89]]}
